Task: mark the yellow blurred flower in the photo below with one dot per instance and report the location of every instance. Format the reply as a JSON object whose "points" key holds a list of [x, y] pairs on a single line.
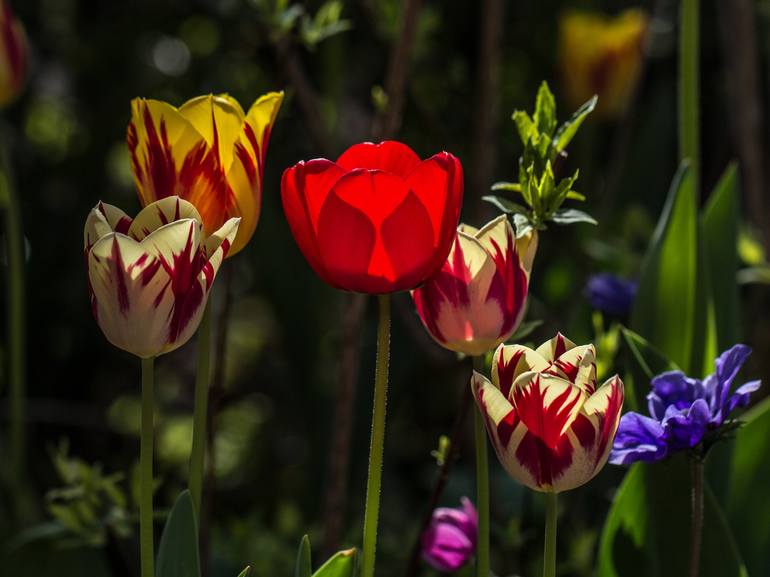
{"points": [[207, 151], [601, 55], [13, 54]]}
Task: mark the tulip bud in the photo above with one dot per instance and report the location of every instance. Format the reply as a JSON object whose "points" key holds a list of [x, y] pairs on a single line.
{"points": [[476, 301], [150, 277], [551, 427], [450, 540]]}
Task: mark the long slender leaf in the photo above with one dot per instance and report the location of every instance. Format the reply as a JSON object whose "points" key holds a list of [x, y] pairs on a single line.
{"points": [[341, 564], [178, 552], [304, 567]]}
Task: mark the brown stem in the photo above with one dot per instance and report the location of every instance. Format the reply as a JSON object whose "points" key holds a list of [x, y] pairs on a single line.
{"points": [[737, 26], [487, 101], [388, 122], [458, 428], [216, 393], [335, 499]]}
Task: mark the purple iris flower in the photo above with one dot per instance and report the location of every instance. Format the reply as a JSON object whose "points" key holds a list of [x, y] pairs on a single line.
{"points": [[611, 294], [450, 539], [682, 411]]}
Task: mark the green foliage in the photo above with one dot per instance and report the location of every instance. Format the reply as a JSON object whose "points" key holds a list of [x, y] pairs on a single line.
{"points": [[283, 19], [540, 187], [90, 504], [341, 564], [178, 551], [442, 451]]}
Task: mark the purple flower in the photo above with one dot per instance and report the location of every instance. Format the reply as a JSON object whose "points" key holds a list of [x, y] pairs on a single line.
{"points": [[450, 539], [611, 294], [683, 411]]}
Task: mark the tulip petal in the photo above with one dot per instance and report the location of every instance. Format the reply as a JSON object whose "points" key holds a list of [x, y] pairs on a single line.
{"points": [[216, 248], [577, 365], [102, 220], [346, 240], [131, 297], [606, 405], [389, 156], [219, 120], [434, 182], [409, 255], [556, 347], [499, 414], [510, 362], [160, 213]]}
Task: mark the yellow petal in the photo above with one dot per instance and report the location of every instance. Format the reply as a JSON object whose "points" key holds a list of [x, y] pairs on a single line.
{"points": [[219, 120]]}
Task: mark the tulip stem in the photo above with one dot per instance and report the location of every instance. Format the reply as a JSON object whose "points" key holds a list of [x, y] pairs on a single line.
{"points": [[202, 382], [146, 542], [549, 554], [374, 481], [482, 484], [696, 526]]}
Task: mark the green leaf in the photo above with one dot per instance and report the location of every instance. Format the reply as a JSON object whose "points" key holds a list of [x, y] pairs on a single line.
{"points": [[664, 310], [507, 206], [571, 216], [755, 274], [648, 527], [245, 572], [644, 362], [178, 552], [720, 234], [341, 564], [511, 186], [575, 195], [568, 130], [545, 110], [523, 225], [524, 125], [525, 329], [748, 504], [304, 567]]}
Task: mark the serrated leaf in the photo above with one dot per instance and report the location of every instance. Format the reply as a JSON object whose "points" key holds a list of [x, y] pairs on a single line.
{"points": [[304, 567], [341, 564], [507, 206], [545, 110], [572, 216], [524, 125], [178, 552], [569, 129]]}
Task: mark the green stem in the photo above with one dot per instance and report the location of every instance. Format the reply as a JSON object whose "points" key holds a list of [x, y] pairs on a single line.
{"points": [[689, 86], [482, 485], [372, 511], [696, 524], [202, 383], [549, 554], [14, 241], [146, 542]]}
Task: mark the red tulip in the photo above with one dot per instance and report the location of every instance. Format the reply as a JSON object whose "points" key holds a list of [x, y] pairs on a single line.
{"points": [[378, 220]]}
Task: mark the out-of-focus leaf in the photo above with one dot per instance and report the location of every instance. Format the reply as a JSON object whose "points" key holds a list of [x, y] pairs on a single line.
{"points": [[524, 330], [757, 274], [341, 564], [748, 503], [178, 551], [245, 572], [572, 216], [664, 310], [304, 567], [648, 526], [507, 206], [643, 362], [511, 186], [720, 234], [568, 130]]}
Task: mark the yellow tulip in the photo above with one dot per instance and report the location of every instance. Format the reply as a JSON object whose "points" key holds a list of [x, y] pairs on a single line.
{"points": [[207, 151], [601, 55]]}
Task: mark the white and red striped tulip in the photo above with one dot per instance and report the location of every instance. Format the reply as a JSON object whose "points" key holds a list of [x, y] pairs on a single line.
{"points": [[150, 277], [476, 301], [551, 427]]}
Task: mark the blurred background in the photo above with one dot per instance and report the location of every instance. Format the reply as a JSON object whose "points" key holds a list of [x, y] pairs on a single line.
{"points": [[293, 390]]}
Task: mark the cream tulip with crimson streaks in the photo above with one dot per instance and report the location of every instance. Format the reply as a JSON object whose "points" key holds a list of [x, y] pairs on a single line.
{"points": [[476, 301], [551, 427], [150, 277]]}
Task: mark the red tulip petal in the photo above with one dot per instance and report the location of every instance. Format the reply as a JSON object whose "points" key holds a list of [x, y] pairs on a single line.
{"points": [[389, 155], [304, 188], [346, 239], [407, 236], [377, 194]]}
